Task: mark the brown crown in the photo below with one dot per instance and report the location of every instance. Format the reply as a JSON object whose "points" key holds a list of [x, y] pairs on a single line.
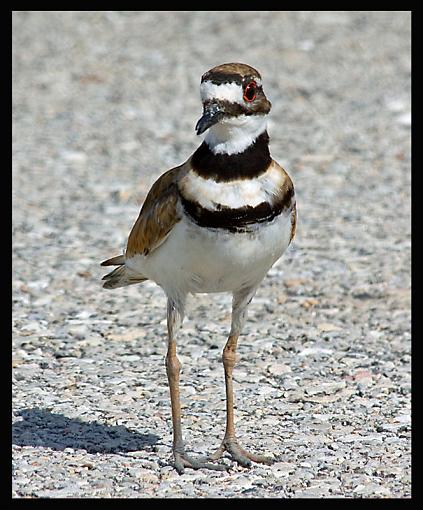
{"points": [[231, 72]]}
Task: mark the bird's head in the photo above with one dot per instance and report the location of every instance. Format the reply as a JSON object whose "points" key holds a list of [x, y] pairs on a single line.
{"points": [[234, 107]]}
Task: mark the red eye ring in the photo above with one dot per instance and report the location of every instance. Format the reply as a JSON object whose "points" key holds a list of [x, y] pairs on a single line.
{"points": [[250, 92]]}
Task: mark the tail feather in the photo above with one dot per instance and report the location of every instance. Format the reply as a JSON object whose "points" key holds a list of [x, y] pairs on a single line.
{"points": [[114, 261], [120, 276]]}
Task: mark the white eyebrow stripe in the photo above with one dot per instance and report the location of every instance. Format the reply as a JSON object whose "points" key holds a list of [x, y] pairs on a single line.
{"points": [[225, 91]]}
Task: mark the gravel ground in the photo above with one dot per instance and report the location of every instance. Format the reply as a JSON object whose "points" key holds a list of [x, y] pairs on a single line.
{"points": [[103, 103]]}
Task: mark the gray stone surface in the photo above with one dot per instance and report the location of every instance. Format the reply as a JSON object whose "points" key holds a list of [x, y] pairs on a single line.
{"points": [[103, 103]]}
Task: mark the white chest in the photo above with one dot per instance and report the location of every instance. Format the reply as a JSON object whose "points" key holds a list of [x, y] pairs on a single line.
{"points": [[197, 259]]}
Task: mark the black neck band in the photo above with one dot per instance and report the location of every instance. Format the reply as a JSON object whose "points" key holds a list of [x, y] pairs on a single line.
{"points": [[229, 167]]}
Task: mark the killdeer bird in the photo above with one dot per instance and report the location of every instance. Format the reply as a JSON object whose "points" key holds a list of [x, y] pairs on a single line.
{"points": [[216, 223]]}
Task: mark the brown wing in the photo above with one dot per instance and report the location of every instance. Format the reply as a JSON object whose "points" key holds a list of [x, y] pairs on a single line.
{"points": [[286, 197], [293, 222], [157, 217]]}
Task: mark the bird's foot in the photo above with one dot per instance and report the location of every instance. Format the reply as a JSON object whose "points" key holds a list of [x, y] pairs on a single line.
{"points": [[238, 454], [183, 460]]}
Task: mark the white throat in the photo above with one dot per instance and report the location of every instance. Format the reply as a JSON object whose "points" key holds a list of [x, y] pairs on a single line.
{"points": [[234, 135]]}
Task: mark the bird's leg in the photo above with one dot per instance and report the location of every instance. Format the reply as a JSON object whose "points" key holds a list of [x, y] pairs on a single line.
{"points": [[173, 368], [229, 358]]}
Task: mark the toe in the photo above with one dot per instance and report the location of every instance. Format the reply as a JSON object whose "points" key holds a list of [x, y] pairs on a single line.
{"points": [[244, 457], [237, 453], [183, 460], [213, 467], [179, 465]]}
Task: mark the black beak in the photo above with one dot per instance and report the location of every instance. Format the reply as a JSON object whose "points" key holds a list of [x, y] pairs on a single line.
{"points": [[212, 113]]}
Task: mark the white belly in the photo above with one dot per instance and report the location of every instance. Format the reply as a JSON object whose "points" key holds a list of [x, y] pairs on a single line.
{"points": [[197, 259]]}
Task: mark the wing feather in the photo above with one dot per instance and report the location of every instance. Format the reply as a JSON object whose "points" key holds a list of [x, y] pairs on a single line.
{"points": [[158, 215]]}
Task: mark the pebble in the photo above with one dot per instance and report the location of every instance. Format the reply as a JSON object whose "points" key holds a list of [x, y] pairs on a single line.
{"points": [[278, 369], [281, 469]]}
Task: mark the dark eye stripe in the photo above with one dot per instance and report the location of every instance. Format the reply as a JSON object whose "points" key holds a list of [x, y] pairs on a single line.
{"points": [[231, 109]]}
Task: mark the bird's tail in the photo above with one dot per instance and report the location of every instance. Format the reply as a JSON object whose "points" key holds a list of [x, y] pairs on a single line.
{"points": [[120, 277]]}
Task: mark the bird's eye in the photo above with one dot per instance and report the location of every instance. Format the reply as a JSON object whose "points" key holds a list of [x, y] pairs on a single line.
{"points": [[250, 91]]}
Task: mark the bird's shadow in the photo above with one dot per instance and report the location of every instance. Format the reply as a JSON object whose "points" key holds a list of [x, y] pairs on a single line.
{"points": [[41, 427]]}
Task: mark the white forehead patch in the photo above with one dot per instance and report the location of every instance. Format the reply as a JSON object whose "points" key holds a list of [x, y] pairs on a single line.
{"points": [[232, 92]]}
